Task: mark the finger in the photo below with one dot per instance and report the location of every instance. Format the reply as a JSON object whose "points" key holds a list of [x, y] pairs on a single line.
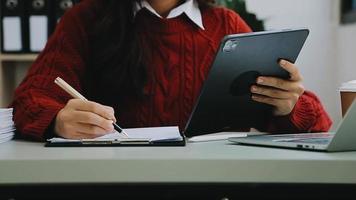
{"points": [[112, 112], [290, 86], [74, 135], [271, 92], [292, 69], [94, 107], [93, 119], [91, 130], [276, 83], [80, 136], [267, 100]]}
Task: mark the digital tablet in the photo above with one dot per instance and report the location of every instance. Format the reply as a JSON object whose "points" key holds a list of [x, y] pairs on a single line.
{"points": [[225, 100]]}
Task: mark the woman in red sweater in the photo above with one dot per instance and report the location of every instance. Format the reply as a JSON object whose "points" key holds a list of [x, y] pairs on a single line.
{"points": [[143, 63]]}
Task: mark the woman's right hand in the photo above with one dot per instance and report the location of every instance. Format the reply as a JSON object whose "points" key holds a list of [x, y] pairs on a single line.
{"points": [[84, 120]]}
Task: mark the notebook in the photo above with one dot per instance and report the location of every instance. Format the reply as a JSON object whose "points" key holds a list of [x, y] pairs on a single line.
{"points": [[154, 136]]}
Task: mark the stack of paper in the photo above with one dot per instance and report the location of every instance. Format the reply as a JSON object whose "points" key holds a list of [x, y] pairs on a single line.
{"points": [[7, 126]]}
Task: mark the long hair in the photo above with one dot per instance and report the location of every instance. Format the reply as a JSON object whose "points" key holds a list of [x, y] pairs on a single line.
{"points": [[117, 62]]}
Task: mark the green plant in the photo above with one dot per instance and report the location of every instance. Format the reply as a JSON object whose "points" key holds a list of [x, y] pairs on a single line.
{"points": [[239, 6]]}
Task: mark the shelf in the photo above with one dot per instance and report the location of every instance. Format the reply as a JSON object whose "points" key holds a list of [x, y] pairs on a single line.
{"points": [[13, 68], [18, 57]]}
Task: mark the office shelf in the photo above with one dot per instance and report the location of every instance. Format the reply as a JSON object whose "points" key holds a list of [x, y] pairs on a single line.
{"points": [[12, 70], [18, 57]]}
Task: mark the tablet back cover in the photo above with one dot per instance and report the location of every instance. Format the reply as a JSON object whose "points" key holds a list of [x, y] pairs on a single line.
{"points": [[225, 100]]}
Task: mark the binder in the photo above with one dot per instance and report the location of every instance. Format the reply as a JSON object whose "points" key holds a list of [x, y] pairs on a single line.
{"points": [[13, 26], [38, 23], [61, 6]]}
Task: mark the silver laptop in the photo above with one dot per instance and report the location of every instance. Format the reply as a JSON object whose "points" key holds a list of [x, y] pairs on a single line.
{"points": [[344, 139]]}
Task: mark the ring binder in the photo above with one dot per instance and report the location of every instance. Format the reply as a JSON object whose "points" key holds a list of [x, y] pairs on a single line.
{"points": [[61, 7], [27, 24], [38, 24], [12, 26]]}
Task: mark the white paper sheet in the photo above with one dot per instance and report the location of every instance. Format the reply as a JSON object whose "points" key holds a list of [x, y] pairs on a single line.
{"points": [[7, 130], [7, 126], [6, 110], [6, 137], [6, 123]]}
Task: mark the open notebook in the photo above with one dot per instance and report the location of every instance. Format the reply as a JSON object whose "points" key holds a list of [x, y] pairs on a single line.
{"points": [[160, 136]]}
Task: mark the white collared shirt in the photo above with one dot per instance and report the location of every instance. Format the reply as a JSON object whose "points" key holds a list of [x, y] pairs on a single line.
{"points": [[190, 8]]}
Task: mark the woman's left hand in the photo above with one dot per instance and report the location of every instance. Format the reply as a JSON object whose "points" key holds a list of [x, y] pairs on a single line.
{"points": [[280, 93]]}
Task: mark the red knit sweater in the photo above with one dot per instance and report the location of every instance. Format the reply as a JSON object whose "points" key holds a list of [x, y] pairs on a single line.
{"points": [[180, 63]]}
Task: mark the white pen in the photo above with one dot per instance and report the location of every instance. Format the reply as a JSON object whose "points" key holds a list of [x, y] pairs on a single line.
{"points": [[75, 94]]}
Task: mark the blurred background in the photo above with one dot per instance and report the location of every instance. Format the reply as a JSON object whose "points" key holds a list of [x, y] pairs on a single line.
{"points": [[327, 60]]}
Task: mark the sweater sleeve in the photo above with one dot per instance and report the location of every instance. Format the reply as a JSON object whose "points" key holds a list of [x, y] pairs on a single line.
{"points": [[38, 100], [308, 115]]}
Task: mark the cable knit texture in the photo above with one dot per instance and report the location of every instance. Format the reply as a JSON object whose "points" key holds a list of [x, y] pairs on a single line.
{"points": [[180, 60]]}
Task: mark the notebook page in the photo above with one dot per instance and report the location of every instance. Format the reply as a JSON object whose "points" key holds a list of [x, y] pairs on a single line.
{"points": [[155, 134]]}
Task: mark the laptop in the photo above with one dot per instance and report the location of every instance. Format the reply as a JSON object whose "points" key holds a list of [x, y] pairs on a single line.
{"points": [[225, 101], [344, 139]]}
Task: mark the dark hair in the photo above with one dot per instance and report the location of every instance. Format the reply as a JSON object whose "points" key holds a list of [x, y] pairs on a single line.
{"points": [[117, 61]]}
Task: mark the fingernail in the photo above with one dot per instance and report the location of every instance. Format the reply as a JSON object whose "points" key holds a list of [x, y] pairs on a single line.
{"points": [[254, 89], [283, 62], [260, 80]]}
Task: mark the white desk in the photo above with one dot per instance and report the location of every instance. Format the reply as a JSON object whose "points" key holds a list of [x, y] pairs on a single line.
{"points": [[31, 163], [219, 163]]}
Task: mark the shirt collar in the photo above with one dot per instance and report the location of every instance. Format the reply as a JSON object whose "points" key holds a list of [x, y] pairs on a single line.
{"points": [[190, 8]]}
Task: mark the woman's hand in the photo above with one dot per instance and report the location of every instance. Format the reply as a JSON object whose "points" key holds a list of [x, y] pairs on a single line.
{"points": [[280, 93], [84, 119]]}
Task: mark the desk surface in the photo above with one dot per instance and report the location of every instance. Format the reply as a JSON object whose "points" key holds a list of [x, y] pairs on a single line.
{"points": [[211, 162]]}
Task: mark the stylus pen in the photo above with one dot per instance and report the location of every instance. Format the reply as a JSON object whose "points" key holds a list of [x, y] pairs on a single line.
{"points": [[75, 94]]}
